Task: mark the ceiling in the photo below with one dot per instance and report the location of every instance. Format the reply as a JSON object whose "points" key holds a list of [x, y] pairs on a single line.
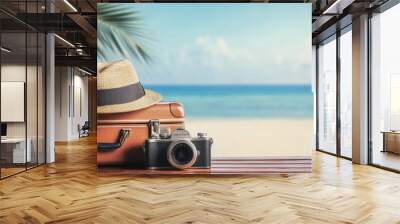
{"points": [[74, 21]]}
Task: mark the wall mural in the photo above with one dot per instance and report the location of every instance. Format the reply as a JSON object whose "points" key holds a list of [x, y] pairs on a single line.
{"points": [[184, 86]]}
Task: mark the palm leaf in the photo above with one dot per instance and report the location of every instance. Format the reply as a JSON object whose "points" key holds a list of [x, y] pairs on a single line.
{"points": [[119, 32]]}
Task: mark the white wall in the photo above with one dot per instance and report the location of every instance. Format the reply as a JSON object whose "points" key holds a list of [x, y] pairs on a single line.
{"points": [[33, 126], [17, 73], [81, 84], [70, 83], [62, 82]]}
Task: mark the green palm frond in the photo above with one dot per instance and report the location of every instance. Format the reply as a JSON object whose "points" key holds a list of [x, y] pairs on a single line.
{"points": [[119, 33]]}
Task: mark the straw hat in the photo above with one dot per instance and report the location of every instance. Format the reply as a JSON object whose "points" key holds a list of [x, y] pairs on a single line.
{"points": [[119, 89]]}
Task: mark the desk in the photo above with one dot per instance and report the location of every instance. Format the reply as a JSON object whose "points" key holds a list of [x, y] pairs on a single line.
{"points": [[15, 148], [391, 141]]}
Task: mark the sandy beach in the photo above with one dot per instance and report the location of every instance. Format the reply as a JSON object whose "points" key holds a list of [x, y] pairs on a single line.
{"points": [[256, 137]]}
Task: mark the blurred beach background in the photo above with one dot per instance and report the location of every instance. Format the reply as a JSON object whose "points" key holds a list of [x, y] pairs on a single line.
{"points": [[248, 120], [242, 71]]}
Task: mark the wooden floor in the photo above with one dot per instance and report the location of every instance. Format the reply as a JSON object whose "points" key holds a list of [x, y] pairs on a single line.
{"points": [[72, 191], [10, 171], [387, 159]]}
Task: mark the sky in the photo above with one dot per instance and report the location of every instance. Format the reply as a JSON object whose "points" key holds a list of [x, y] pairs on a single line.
{"points": [[226, 43]]}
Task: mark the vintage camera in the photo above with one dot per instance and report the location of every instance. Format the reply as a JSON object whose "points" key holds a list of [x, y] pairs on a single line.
{"points": [[177, 150]]}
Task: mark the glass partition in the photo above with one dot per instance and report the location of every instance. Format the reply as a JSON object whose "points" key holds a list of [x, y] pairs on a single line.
{"points": [[22, 88], [31, 97], [327, 96], [346, 93], [13, 92], [385, 89]]}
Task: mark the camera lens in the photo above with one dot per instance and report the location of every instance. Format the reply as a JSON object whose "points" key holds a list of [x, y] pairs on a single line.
{"points": [[182, 154]]}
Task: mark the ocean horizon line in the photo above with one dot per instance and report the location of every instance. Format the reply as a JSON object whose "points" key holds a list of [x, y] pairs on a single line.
{"points": [[240, 100], [204, 117], [225, 84], [275, 86]]}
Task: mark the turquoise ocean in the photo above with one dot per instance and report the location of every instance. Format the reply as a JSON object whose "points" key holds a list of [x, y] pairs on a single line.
{"points": [[240, 101]]}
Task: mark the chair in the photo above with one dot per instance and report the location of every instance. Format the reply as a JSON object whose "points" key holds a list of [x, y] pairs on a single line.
{"points": [[84, 130]]}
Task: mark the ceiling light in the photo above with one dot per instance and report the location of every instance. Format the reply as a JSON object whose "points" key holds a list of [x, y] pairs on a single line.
{"points": [[70, 5], [65, 41], [329, 9], [80, 51], [337, 7], [5, 50], [84, 71]]}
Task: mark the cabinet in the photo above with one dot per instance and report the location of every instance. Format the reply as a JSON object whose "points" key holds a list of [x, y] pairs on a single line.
{"points": [[391, 142]]}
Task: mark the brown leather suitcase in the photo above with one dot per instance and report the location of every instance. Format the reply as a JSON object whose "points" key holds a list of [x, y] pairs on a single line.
{"points": [[132, 129]]}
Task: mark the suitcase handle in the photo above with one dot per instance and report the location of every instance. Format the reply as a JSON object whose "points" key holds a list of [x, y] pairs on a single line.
{"points": [[107, 147]]}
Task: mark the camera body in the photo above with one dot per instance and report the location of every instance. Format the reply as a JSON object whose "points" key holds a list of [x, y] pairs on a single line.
{"points": [[178, 151]]}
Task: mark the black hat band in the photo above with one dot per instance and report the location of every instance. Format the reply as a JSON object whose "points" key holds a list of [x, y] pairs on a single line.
{"points": [[125, 94]]}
